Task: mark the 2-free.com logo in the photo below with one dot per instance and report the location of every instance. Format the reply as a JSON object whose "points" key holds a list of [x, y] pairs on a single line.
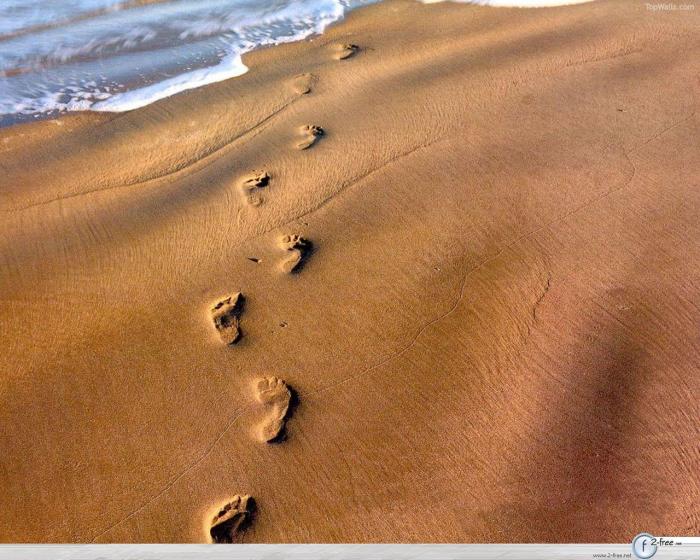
{"points": [[644, 545]]}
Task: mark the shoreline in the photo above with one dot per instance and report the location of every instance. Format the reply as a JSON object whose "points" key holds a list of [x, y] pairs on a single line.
{"points": [[133, 98]]}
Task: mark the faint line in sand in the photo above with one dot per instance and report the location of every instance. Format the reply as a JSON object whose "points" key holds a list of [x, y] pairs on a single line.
{"points": [[200, 164], [236, 415]]}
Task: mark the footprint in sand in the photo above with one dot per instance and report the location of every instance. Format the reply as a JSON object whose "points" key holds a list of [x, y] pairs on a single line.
{"points": [[310, 134], [226, 315], [300, 249], [344, 50], [251, 184], [302, 83], [276, 396], [232, 519]]}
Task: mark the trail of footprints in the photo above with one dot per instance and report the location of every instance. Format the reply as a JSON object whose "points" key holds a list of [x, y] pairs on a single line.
{"points": [[272, 393]]}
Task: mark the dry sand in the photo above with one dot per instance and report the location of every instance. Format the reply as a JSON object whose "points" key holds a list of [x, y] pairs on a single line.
{"points": [[488, 322]]}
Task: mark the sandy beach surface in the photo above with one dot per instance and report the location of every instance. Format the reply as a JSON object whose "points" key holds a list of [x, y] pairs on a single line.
{"points": [[466, 243]]}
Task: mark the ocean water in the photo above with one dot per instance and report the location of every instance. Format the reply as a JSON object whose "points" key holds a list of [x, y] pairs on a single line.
{"points": [[117, 55]]}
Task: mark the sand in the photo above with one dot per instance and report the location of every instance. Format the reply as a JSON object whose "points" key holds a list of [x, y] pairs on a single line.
{"points": [[468, 254]]}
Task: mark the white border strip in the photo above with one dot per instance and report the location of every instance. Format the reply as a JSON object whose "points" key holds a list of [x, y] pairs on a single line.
{"points": [[335, 552]]}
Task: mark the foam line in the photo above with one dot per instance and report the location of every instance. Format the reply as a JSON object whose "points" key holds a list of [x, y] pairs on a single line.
{"points": [[229, 67]]}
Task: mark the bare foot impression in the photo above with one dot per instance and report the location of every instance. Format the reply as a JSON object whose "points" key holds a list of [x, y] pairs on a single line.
{"points": [[301, 84], [276, 396], [226, 315], [310, 134], [346, 50], [300, 249], [251, 184], [232, 519]]}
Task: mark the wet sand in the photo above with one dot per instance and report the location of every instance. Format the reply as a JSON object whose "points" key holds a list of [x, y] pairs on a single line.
{"points": [[463, 308]]}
